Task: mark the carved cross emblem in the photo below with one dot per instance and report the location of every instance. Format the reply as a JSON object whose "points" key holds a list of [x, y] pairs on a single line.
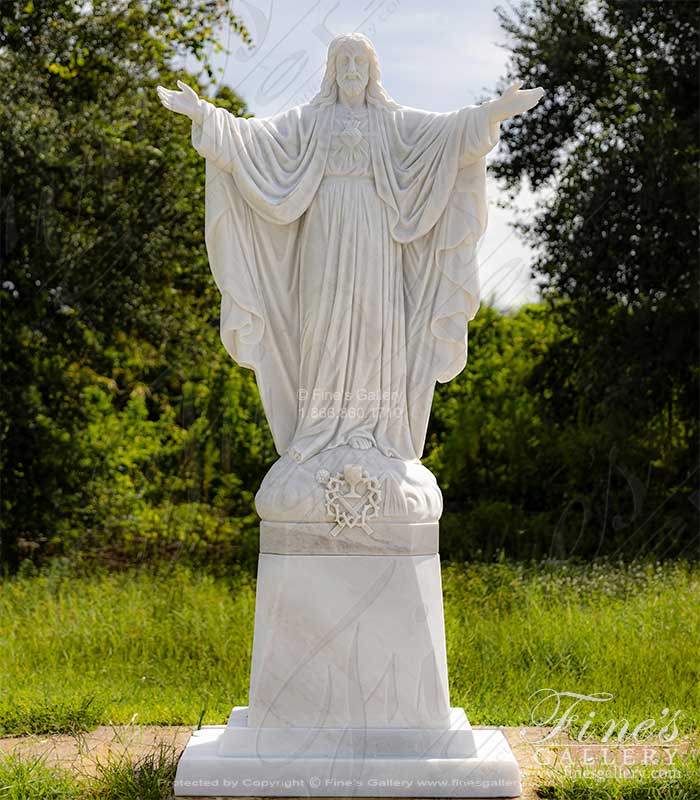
{"points": [[352, 497]]}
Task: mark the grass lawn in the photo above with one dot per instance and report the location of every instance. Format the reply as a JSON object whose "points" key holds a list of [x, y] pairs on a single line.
{"points": [[646, 783], [174, 647], [30, 779], [152, 779]]}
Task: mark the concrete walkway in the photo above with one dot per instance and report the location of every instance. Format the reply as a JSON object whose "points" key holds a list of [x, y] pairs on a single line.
{"points": [[82, 753]]}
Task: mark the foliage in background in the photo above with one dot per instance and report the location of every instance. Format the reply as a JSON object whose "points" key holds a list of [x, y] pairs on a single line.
{"points": [[126, 432], [614, 146], [521, 480], [115, 393]]}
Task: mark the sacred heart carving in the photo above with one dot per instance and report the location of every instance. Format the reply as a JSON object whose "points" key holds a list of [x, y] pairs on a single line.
{"points": [[352, 497]]}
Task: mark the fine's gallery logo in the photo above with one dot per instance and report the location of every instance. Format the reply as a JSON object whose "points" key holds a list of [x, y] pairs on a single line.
{"points": [[564, 712]]}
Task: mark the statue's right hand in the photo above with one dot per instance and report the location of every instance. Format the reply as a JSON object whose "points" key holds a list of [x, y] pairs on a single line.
{"points": [[186, 101]]}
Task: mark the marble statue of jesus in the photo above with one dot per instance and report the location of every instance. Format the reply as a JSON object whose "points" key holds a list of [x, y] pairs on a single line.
{"points": [[342, 234]]}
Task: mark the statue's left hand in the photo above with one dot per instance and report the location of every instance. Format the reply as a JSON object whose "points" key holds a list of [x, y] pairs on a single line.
{"points": [[186, 101], [515, 101]]}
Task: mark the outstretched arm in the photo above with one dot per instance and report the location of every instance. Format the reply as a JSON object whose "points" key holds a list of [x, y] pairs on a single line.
{"points": [[481, 123], [212, 127], [186, 101]]}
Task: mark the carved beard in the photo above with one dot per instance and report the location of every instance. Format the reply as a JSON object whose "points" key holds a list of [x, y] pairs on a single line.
{"points": [[353, 86]]}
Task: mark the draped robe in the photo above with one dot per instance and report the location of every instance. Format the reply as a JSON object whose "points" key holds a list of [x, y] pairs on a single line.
{"points": [[346, 293]]}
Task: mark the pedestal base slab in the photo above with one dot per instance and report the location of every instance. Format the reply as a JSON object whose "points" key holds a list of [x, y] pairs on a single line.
{"points": [[234, 761]]}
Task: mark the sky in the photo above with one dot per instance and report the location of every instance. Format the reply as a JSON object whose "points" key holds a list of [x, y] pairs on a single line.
{"points": [[438, 55]]}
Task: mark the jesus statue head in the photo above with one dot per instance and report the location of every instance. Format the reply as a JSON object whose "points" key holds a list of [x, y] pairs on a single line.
{"points": [[352, 68]]}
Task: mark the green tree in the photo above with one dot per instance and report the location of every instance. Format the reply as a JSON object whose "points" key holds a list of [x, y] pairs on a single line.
{"points": [[104, 273], [614, 148]]}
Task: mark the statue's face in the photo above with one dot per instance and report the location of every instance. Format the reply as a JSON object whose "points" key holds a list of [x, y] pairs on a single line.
{"points": [[352, 68]]}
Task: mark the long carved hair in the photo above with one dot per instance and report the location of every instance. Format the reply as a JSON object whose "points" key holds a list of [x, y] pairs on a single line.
{"points": [[375, 93]]}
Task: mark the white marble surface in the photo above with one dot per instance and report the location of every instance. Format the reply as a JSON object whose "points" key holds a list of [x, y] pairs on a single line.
{"points": [[349, 640], [343, 236], [203, 771], [386, 539], [295, 492], [456, 740]]}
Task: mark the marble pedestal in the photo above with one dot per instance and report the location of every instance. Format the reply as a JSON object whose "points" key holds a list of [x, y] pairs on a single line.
{"points": [[349, 692], [235, 760]]}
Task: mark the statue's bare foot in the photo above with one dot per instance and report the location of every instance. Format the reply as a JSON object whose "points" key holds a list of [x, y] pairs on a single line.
{"points": [[361, 442]]}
